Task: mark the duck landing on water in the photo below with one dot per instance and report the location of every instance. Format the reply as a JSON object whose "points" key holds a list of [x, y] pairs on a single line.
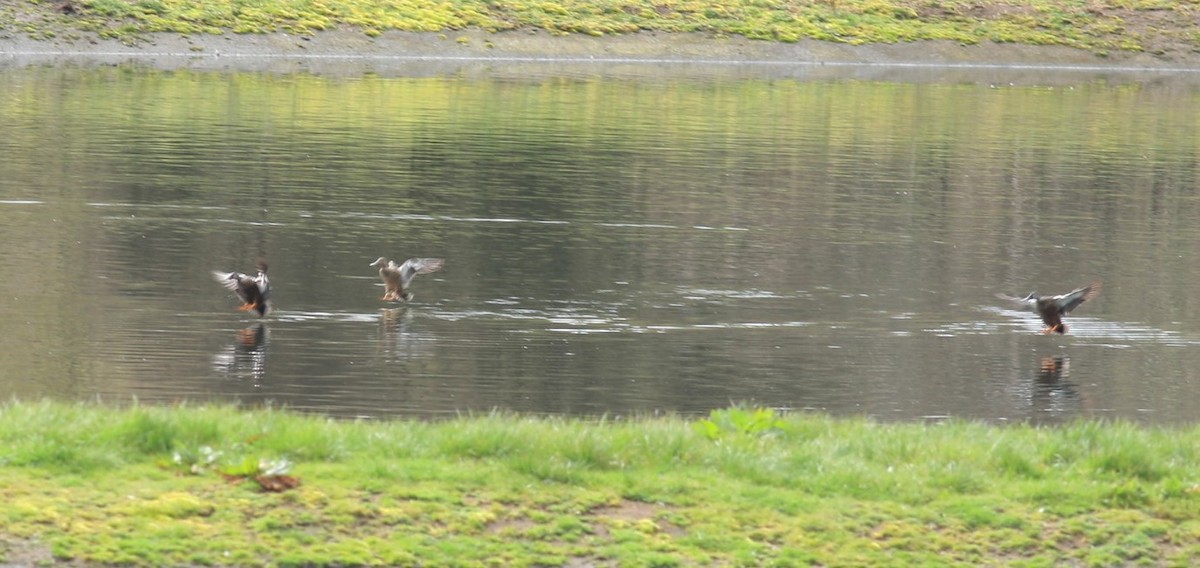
{"points": [[254, 292], [398, 277], [1053, 308]]}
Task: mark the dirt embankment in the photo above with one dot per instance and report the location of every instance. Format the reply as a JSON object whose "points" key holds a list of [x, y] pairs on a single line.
{"points": [[1155, 36], [647, 54], [349, 51]]}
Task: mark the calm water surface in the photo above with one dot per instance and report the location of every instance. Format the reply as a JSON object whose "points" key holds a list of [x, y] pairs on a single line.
{"points": [[613, 244]]}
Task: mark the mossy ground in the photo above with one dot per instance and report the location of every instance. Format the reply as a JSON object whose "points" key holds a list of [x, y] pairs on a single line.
{"points": [[1101, 26], [90, 484]]}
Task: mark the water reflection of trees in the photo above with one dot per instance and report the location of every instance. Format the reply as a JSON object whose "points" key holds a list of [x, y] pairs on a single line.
{"points": [[917, 195]]}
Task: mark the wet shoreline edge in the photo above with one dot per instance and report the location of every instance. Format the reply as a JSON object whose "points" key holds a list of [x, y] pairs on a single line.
{"points": [[350, 52]]}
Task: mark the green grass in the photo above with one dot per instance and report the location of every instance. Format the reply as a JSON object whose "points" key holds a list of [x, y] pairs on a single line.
{"points": [[142, 486], [1103, 25]]}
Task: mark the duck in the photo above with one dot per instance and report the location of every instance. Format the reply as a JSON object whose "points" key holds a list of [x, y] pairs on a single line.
{"points": [[253, 291], [398, 277], [1053, 308]]}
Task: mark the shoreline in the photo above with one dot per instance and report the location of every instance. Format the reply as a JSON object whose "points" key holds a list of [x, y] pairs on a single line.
{"points": [[350, 52]]}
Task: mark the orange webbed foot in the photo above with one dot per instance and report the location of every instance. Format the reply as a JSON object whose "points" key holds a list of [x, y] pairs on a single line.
{"points": [[245, 307]]}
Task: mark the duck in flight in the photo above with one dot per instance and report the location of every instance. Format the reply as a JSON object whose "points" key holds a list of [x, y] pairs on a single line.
{"points": [[398, 277], [253, 291], [1052, 308]]}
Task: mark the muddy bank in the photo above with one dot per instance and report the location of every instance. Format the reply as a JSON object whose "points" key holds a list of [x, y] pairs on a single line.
{"points": [[350, 52]]}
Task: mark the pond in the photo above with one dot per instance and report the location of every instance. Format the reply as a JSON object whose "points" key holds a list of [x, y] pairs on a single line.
{"points": [[614, 243]]}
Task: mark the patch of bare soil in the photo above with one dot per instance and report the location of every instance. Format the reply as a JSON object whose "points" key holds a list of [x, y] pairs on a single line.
{"points": [[1160, 32], [635, 511], [21, 553]]}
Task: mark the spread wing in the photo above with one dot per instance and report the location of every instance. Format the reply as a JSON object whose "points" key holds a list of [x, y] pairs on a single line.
{"points": [[415, 266], [1071, 300], [1027, 302], [246, 288]]}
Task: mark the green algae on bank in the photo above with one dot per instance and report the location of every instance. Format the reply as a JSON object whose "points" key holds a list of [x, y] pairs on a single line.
{"points": [[96, 484], [1104, 26]]}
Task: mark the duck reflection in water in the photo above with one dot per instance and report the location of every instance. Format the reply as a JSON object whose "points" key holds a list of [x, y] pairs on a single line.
{"points": [[1053, 392], [398, 340], [246, 357]]}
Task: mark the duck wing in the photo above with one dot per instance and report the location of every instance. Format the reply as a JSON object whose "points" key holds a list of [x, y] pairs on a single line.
{"points": [[244, 286], [415, 266], [1028, 302], [1071, 300]]}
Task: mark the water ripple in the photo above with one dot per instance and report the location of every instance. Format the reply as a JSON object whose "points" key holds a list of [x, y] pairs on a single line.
{"points": [[1080, 327]]}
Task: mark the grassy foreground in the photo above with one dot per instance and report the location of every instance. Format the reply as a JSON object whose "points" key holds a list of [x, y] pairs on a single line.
{"points": [[158, 486], [1155, 26]]}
